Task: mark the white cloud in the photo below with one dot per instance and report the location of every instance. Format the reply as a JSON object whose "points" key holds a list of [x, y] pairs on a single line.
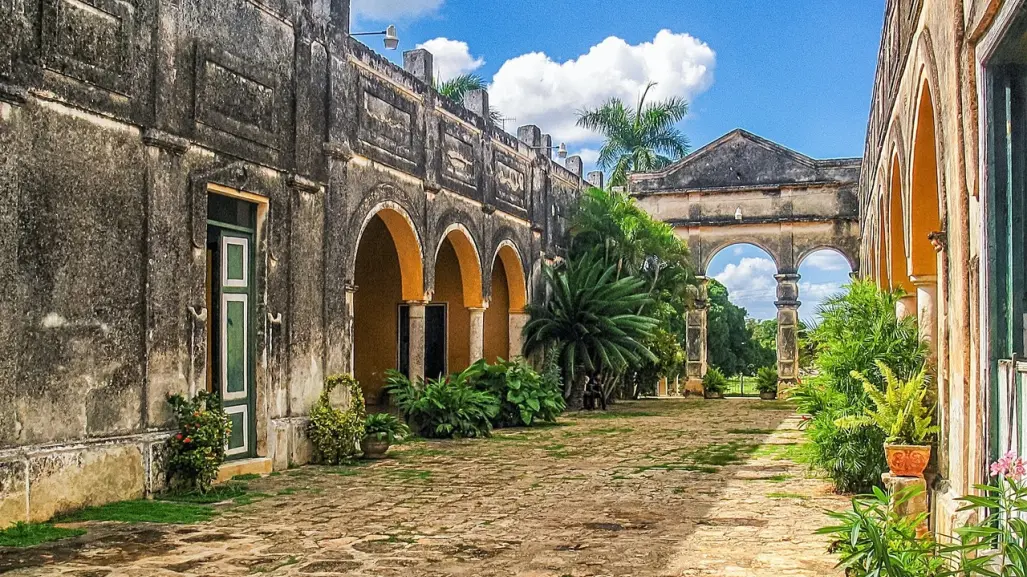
{"points": [[827, 260], [751, 282], [814, 293], [452, 58], [535, 89], [379, 10], [737, 251]]}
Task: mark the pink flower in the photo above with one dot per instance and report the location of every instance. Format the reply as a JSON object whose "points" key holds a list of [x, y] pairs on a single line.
{"points": [[1010, 466]]}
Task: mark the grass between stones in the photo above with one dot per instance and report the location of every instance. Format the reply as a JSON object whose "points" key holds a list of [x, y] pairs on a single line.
{"points": [[31, 534], [788, 496], [143, 511], [616, 414], [750, 431]]}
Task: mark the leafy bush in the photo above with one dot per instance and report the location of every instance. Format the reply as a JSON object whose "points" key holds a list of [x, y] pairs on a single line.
{"points": [[766, 380], [874, 540], [197, 451], [446, 407], [857, 329], [714, 381], [385, 427], [902, 412], [336, 433], [524, 395]]}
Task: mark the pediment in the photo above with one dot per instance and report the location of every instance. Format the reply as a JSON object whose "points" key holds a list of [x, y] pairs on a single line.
{"points": [[739, 159]]}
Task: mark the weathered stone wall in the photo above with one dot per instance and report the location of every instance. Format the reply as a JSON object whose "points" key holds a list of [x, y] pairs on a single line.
{"points": [[116, 117], [931, 49]]}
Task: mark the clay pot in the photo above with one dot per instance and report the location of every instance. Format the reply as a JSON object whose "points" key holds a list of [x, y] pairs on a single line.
{"points": [[374, 448], [907, 460], [769, 396], [713, 395]]}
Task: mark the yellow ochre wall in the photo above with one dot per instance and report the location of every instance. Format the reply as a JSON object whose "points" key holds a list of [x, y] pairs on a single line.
{"points": [[449, 290], [379, 292], [497, 316]]}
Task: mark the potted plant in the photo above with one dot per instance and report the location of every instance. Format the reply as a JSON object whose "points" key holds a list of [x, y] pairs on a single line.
{"points": [[714, 384], [903, 413], [381, 430], [766, 383]]}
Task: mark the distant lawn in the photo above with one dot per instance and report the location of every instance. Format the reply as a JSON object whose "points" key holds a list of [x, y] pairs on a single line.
{"points": [[32, 534], [143, 511]]}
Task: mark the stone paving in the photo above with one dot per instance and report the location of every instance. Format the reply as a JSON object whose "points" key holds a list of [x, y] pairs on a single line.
{"points": [[661, 488]]}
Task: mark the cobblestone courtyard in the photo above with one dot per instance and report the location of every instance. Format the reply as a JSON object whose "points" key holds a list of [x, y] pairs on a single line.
{"points": [[678, 487]]}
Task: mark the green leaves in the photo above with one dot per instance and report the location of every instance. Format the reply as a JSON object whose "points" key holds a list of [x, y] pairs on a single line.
{"points": [[902, 411], [526, 397], [198, 450], [336, 433], [639, 140], [446, 407]]}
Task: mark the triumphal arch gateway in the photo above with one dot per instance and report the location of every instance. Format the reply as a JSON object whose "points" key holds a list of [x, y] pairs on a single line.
{"points": [[743, 189]]}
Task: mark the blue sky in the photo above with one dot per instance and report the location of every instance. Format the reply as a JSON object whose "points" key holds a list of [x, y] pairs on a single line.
{"points": [[799, 72]]}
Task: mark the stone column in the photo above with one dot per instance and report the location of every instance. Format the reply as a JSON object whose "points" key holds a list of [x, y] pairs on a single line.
{"points": [[416, 353], [518, 320], [695, 340], [351, 299], [787, 330], [906, 306], [926, 308], [477, 333]]}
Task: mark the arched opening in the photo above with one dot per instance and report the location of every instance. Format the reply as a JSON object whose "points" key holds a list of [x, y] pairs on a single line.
{"points": [[741, 315], [925, 216], [387, 273], [458, 289], [824, 273], [898, 272], [883, 280], [505, 316]]}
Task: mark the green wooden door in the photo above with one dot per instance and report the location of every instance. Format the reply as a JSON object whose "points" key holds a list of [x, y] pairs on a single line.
{"points": [[235, 341]]}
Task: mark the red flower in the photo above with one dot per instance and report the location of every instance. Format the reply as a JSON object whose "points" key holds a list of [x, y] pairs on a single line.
{"points": [[188, 440], [179, 436]]}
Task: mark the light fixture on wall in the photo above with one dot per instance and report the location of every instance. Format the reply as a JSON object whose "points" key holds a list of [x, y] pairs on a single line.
{"points": [[738, 214], [560, 152], [391, 38]]}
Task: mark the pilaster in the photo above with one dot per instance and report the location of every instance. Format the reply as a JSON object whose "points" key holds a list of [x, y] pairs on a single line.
{"points": [[787, 329], [477, 333], [696, 338]]}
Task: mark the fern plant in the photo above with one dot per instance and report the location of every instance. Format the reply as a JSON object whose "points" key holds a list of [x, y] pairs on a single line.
{"points": [[714, 381], [902, 410], [449, 407], [766, 380]]}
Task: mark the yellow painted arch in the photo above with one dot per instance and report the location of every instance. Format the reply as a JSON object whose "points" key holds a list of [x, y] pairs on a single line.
{"points": [[925, 216], [510, 258], [898, 272], [408, 247], [469, 261]]}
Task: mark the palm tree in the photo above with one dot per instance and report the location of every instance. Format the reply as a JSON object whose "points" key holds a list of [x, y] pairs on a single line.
{"points": [[639, 140], [456, 88], [590, 323]]}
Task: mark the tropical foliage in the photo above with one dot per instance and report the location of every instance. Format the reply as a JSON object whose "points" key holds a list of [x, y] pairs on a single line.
{"points": [[336, 433], [857, 329], [448, 407], [455, 89], [714, 381], [767, 380], [902, 411], [590, 322], [525, 397], [732, 343], [197, 451], [385, 427], [642, 138]]}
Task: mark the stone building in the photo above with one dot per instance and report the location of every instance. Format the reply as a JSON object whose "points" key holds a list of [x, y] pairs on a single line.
{"points": [[745, 189], [240, 197], [942, 206]]}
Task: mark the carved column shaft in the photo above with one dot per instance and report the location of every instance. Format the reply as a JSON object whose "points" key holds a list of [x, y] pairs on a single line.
{"points": [[417, 340], [787, 328], [695, 339], [477, 334]]}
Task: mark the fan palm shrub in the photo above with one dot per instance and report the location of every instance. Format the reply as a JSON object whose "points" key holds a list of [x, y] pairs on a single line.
{"points": [[639, 139], [456, 88], [591, 323]]}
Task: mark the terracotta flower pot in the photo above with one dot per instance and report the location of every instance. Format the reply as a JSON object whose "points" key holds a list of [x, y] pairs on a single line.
{"points": [[907, 460], [374, 448], [769, 396]]}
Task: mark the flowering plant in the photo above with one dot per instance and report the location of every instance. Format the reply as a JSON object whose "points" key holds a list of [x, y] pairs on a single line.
{"points": [[197, 451], [997, 545]]}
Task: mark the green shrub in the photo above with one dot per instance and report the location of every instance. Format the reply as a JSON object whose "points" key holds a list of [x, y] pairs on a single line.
{"points": [[446, 407], [873, 540], [766, 380], [714, 381], [525, 397], [336, 433], [857, 329], [385, 427], [197, 451], [902, 411]]}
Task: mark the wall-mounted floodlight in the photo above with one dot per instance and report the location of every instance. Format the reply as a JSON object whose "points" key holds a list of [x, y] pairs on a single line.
{"points": [[560, 152], [738, 214], [391, 38]]}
